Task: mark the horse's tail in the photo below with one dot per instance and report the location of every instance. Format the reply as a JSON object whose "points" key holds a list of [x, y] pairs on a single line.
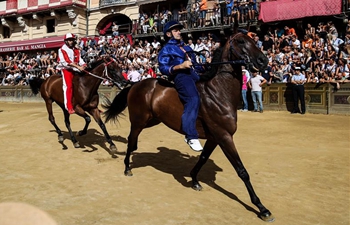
{"points": [[115, 108], [35, 84]]}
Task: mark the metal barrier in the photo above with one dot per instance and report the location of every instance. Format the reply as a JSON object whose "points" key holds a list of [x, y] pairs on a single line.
{"points": [[321, 99]]}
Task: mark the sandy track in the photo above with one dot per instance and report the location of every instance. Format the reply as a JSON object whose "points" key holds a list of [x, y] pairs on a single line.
{"points": [[299, 166]]}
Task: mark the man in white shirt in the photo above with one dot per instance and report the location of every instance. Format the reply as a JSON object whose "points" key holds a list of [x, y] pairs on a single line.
{"points": [[298, 80], [295, 42], [134, 75], [255, 83], [155, 43]]}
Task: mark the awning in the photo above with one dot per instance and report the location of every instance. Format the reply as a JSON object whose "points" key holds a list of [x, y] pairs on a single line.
{"points": [[280, 10], [34, 44]]}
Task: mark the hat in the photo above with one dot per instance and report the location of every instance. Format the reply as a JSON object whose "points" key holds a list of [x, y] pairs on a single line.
{"points": [[171, 25], [297, 68], [69, 36]]}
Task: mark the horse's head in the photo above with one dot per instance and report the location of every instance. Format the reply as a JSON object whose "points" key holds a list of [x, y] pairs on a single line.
{"points": [[242, 47], [111, 70]]}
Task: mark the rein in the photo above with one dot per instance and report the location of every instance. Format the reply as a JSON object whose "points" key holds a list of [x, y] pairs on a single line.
{"points": [[105, 73]]}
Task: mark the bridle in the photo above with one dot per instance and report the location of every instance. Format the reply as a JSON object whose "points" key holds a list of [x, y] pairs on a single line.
{"points": [[244, 59], [105, 75]]}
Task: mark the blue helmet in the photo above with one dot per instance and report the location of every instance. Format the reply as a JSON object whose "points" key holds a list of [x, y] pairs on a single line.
{"points": [[172, 24]]}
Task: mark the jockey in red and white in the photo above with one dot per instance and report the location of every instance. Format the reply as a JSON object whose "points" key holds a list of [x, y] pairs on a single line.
{"points": [[69, 62]]}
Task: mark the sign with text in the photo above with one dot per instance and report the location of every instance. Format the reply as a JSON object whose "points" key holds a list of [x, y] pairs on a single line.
{"points": [[25, 46]]}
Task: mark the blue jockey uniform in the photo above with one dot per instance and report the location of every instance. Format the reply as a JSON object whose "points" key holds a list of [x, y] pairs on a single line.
{"points": [[174, 53]]}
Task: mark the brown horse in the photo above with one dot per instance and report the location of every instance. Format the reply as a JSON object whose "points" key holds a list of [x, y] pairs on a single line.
{"points": [[153, 101], [85, 96]]}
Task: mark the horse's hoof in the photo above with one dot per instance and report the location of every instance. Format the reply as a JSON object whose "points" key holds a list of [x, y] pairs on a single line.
{"points": [[197, 187], [76, 145], [113, 149], [80, 133], [267, 216], [128, 173], [60, 139]]}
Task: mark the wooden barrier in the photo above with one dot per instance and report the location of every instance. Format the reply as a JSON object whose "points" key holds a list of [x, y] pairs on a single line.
{"points": [[319, 99]]}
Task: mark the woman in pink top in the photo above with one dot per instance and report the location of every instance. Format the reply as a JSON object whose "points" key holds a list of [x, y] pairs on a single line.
{"points": [[244, 91]]}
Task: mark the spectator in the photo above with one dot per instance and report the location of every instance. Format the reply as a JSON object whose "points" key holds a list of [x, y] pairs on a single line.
{"points": [[255, 83], [289, 31], [267, 44], [115, 29], [245, 80], [310, 30], [307, 42], [298, 81], [286, 71], [258, 43], [215, 18], [251, 10], [332, 29], [203, 8], [229, 6], [133, 75], [243, 11], [183, 15], [295, 43]]}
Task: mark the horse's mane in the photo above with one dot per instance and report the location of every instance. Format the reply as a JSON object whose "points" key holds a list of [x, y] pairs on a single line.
{"points": [[209, 74], [94, 65]]}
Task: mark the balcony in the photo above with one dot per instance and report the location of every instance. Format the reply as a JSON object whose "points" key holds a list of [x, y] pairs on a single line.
{"points": [[104, 3]]}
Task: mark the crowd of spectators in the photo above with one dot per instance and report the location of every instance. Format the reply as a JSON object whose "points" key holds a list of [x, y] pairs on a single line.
{"points": [[321, 52], [200, 14], [17, 68]]}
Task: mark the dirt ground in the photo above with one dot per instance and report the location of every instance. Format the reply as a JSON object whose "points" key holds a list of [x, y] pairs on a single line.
{"points": [[298, 165]]}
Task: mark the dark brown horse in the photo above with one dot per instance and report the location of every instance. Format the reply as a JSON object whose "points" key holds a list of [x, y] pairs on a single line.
{"points": [[85, 96], [153, 101]]}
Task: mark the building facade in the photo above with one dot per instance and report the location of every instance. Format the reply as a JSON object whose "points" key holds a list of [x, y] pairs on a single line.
{"points": [[41, 24]]}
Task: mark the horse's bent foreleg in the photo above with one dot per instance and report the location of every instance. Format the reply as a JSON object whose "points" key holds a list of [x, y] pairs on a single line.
{"points": [[231, 153], [87, 122], [132, 146], [67, 122], [96, 114], [207, 150], [81, 112], [52, 119]]}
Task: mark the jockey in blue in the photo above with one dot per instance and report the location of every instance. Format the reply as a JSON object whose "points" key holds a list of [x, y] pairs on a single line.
{"points": [[178, 63]]}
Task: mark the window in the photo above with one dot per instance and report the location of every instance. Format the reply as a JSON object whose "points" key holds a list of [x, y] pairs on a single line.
{"points": [[6, 32], [50, 25]]}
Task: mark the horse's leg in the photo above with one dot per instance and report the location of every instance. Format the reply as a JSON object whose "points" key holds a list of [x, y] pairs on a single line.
{"points": [[67, 122], [52, 119], [207, 150], [229, 149], [96, 114], [132, 146], [81, 112]]}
